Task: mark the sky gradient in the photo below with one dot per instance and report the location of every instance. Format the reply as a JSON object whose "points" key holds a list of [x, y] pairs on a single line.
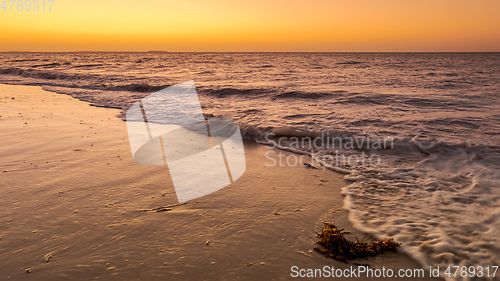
{"points": [[270, 25]]}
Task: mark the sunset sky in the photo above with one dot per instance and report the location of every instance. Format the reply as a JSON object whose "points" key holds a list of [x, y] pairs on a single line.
{"points": [[259, 25]]}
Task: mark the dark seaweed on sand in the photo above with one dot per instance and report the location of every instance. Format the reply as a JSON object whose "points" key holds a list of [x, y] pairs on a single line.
{"points": [[333, 244]]}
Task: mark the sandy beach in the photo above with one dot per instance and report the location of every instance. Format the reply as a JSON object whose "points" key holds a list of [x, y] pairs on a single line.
{"points": [[76, 206]]}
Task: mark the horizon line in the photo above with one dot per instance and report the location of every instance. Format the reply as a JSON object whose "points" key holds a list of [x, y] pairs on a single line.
{"points": [[152, 51]]}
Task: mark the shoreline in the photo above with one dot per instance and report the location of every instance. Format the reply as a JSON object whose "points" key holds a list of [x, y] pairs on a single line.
{"points": [[73, 191]]}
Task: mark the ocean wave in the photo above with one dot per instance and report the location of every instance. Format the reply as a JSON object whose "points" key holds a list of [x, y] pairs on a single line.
{"points": [[365, 98], [12, 71], [88, 65], [273, 93], [30, 73], [464, 122], [82, 81], [47, 65], [23, 60], [443, 206], [135, 87], [350, 62], [300, 95], [228, 91]]}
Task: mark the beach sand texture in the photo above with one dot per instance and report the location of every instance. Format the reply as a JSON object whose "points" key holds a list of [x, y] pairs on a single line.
{"points": [[76, 206]]}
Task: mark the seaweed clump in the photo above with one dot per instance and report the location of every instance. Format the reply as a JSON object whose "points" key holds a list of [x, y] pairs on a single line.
{"points": [[333, 244]]}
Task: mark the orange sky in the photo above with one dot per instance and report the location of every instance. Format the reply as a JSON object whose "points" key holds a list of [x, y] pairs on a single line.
{"points": [[259, 25]]}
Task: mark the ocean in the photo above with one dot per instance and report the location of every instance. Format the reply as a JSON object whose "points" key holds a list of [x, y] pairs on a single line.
{"points": [[435, 183]]}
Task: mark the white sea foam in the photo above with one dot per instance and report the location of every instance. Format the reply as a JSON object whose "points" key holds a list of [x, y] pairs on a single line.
{"points": [[441, 200], [445, 208]]}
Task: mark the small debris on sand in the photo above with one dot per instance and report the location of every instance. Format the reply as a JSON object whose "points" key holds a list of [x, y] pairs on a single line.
{"points": [[333, 244], [47, 257], [309, 165], [163, 208], [305, 254]]}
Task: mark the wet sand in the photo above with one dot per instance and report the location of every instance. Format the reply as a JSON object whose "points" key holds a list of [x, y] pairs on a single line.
{"points": [[75, 206]]}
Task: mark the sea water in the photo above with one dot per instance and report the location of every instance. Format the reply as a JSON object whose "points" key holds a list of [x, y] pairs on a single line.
{"points": [[435, 187]]}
